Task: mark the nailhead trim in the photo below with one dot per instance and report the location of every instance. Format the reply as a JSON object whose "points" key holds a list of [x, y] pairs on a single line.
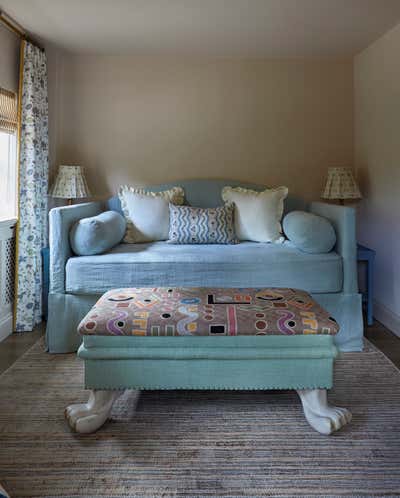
{"points": [[209, 388]]}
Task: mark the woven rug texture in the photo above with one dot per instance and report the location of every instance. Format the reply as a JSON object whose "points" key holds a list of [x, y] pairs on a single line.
{"points": [[198, 443]]}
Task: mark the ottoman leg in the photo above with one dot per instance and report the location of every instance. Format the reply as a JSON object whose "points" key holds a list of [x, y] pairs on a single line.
{"points": [[88, 417], [319, 414]]}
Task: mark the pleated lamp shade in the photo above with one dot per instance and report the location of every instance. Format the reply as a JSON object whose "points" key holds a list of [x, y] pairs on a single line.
{"points": [[341, 185], [70, 183]]}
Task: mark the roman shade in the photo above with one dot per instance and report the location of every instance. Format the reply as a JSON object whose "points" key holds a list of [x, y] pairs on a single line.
{"points": [[8, 111]]}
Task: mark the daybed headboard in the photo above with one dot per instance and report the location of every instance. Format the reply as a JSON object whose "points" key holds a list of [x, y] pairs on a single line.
{"points": [[207, 193]]}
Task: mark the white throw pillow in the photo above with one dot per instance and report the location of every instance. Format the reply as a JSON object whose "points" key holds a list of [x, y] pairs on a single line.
{"points": [[147, 213], [257, 214]]}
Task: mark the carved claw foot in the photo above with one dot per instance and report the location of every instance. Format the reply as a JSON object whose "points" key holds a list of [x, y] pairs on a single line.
{"points": [[319, 414], [88, 417]]}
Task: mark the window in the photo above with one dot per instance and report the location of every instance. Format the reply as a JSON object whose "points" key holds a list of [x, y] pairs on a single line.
{"points": [[8, 154], [8, 175]]}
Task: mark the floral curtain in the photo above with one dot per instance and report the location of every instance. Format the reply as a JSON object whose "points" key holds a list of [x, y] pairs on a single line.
{"points": [[33, 187]]}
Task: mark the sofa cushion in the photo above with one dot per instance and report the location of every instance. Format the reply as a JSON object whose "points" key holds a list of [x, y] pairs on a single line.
{"points": [[309, 232], [257, 214], [248, 264], [97, 234], [147, 213]]}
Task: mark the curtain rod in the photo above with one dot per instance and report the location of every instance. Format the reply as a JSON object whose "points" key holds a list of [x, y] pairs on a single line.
{"points": [[14, 27]]}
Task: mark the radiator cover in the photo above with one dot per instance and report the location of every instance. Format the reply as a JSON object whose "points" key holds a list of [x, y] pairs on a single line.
{"points": [[7, 273]]}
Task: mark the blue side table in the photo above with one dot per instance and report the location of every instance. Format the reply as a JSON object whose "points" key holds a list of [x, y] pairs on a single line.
{"points": [[368, 255]]}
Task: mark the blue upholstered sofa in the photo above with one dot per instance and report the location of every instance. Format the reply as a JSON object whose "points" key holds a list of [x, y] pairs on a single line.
{"points": [[76, 282]]}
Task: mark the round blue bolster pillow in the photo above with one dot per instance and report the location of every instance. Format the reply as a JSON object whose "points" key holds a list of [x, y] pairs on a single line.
{"points": [[309, 232], [97, 234]]}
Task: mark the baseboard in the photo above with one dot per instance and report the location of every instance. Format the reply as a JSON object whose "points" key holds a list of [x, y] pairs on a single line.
{"points": [[6, 326], [387, 317]]}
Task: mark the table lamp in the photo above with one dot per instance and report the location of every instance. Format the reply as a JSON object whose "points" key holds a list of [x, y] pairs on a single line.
{"points": [[70, 184], [341, 185]]}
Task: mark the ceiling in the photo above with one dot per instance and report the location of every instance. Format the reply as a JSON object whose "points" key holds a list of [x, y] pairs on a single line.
{"points": [[254, 28]]}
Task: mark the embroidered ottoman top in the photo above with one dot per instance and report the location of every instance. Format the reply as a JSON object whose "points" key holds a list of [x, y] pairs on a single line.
{"points": [[165, 311]]}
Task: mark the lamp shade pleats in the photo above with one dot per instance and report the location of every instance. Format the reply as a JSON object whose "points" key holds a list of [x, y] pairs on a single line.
{"points": [[341, 184], [70, 183], [8, 111]]}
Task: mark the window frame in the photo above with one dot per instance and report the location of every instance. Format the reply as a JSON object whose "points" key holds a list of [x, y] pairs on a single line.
{"points": [[8, 177]]}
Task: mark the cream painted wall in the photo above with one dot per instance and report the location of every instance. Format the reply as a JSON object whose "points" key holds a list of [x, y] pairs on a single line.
{"points": [[9, 59], [377, 157], [151, 120]]}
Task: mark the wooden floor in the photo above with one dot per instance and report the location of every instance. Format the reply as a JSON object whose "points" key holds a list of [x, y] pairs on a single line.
{"points": [[15, 345], [384, 340]]}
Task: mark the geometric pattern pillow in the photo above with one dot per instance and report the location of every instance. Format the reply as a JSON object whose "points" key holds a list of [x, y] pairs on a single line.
{"points": [[193, 225]]}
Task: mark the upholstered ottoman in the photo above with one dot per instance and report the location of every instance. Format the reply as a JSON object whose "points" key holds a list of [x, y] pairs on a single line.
{"points": [[205, 338]]}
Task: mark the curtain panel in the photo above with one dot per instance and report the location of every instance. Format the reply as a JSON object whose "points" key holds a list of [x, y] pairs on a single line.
{"points": [[33, 187]]}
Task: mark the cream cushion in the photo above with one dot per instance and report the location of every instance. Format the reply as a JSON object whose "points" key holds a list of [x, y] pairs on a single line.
{"points": [[147, 213], [257, 214]]}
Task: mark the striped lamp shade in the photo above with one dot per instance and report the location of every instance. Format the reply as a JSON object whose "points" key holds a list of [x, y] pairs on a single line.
{"points": [[70, 183], [341, 185]]}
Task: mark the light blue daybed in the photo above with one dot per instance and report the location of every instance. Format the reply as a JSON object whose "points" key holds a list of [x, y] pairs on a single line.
{"points": [[76, 282]]}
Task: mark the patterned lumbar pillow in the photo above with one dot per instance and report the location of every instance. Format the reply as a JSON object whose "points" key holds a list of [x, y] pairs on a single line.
{"points": [[257, 214], [147, 213], [192, 225]]}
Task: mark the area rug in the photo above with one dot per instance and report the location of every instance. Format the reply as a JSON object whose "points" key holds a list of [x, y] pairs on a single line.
{"points": [[198, 444]]}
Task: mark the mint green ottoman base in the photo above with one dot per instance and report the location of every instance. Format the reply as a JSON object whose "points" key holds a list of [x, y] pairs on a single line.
{"points": [[208, 374], [241, 362], [302, 362]]}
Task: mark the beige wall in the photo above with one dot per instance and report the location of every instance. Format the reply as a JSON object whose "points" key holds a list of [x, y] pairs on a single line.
{"points": [[9, 59], [377, 156], [151, 120]]}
